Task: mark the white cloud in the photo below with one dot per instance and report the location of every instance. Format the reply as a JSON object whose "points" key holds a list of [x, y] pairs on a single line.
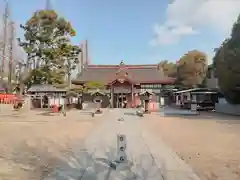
{"points": [[187, 17], [169, 35]]}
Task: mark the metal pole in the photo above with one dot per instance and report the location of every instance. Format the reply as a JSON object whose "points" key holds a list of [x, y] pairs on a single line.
{"points": [[86, 45], [5, 21], [10, 63]]}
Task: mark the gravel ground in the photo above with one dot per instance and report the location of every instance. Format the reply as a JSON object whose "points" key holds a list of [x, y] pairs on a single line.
{"points": [[32, 142], [146, 160], [208, 142]]}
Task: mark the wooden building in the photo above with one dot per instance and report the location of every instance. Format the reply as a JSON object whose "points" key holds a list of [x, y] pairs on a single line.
{"points": [[45, 95], [124, 82], [197, 98]]}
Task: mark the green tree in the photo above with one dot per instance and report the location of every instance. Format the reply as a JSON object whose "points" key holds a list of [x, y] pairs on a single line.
{"points": [[168, 68], [44, 34], [78, 89], [227, 64], [70, 56], [192, 68]]}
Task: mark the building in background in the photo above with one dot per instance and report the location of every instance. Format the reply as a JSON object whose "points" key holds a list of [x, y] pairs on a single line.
{"points": [[83, 56], [212, 81], [127, 81], [8, 45]]}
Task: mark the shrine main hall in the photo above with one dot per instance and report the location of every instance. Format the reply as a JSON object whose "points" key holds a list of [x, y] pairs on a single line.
{"points": [[126, 82]]}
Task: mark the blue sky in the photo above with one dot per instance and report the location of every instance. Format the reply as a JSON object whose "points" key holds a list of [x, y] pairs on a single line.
{"points": [[124, 30]]}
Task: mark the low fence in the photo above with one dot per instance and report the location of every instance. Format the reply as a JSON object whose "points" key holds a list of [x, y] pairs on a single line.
{"points": [[8, 98], [228, 109]]}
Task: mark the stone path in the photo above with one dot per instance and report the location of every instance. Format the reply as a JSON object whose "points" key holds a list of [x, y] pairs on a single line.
{"points": [[148, 158]]}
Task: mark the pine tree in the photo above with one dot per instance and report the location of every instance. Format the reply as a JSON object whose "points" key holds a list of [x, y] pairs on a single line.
{"points": [[227, 63]]}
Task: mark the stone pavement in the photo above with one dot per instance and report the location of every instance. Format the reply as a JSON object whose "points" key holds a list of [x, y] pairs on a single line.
{"points": [[148, 157]]}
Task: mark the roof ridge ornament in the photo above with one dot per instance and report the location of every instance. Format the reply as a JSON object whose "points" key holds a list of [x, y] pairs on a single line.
{"points": [[121, 80], [121, 67], [121, 63]]}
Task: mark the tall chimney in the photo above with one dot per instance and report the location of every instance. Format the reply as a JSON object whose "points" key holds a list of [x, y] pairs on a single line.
{"points": [[86, 61], [48, 5], [80, 65], [5, 35], [10, 60]]}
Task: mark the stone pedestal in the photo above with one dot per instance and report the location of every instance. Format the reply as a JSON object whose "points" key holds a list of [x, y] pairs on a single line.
{"points": [[194, 103]]}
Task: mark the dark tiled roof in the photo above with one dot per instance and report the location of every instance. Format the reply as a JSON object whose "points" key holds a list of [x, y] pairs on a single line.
{"points": [[45, 88], [136, 73]]}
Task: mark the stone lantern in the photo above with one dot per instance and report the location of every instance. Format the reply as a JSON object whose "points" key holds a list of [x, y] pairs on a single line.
{"points": [[79, 104], [110, 100], [146, 97], [98, 98]]}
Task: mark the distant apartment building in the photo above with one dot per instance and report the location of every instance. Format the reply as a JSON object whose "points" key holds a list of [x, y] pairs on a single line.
{"points": [[83, 56], [212, 81], [8, 50]]}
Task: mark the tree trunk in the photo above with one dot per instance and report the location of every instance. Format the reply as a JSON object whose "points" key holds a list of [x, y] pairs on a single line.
{"points": [[69, 80]]}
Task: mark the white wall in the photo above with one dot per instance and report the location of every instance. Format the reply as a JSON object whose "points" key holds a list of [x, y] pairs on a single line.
{"points": [[212, 81]]}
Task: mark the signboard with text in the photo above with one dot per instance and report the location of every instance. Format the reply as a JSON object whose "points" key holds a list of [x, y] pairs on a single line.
{"points": [[121, 148]]}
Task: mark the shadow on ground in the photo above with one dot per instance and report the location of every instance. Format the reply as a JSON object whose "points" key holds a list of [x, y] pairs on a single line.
{"points": [[46, 114], [41, 163], [13, 114], [130, 114], [202, 115], [50, 113]]}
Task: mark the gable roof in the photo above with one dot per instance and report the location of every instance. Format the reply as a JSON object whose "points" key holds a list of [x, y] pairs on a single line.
{"points": [[45, 88], [148, 73]]}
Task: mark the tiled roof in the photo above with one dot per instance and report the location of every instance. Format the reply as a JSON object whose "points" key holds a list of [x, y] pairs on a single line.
{"points": [[136, 73], [44, 88]]}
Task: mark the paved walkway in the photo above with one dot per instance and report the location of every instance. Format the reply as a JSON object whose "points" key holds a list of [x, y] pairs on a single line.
{"points": [[148, 158]]}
